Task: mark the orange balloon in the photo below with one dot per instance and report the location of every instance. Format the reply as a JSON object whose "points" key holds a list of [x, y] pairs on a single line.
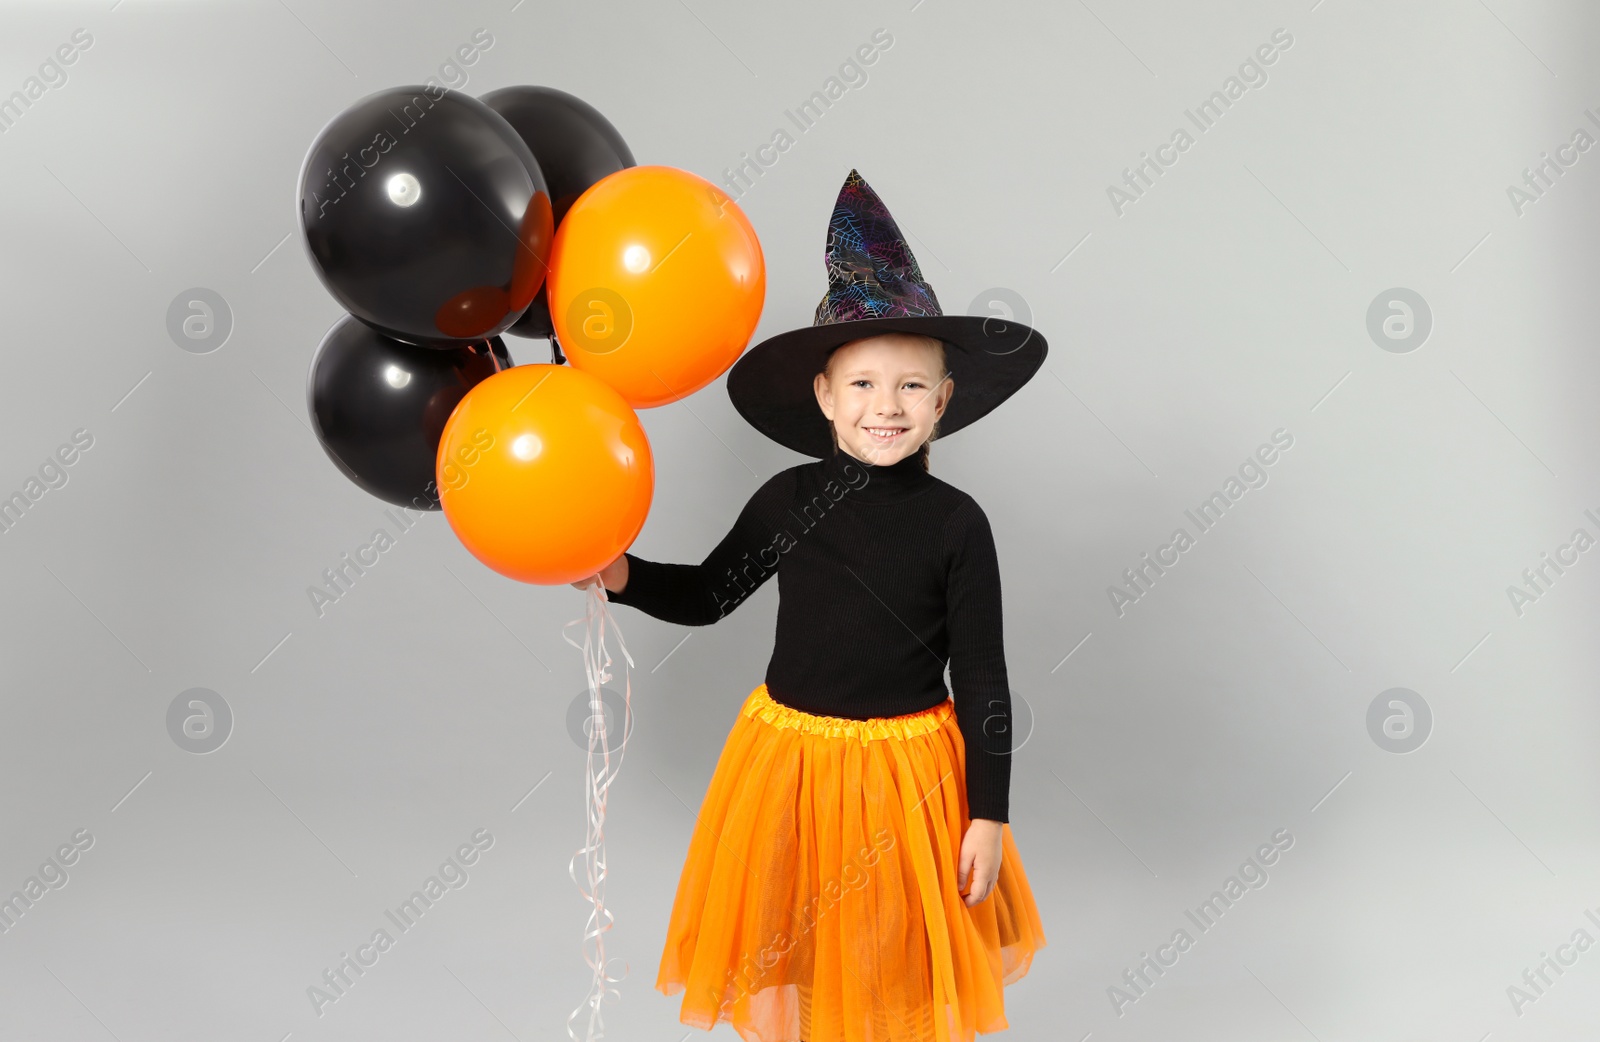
{"points": [[545, 473], [656, 283]]}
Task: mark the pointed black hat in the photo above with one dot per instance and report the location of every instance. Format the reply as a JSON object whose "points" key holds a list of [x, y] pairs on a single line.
{"points": [[875, 286]]}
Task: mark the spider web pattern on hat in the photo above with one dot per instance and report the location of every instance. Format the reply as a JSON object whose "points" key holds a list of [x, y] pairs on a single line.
{"points": [[872, 272]]}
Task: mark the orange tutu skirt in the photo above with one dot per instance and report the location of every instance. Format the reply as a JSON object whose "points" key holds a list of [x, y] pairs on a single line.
{"points": [[819, 898]]}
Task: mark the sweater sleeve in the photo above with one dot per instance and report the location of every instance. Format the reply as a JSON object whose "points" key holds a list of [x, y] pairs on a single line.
{"points": [[978, 679], [700, 594]]}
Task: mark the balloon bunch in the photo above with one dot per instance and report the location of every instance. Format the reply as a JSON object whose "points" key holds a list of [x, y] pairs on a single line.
{"points": [[440, 221]]}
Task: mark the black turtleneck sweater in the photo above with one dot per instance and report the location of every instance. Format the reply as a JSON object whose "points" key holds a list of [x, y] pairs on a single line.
{"points": [[885, 574]]}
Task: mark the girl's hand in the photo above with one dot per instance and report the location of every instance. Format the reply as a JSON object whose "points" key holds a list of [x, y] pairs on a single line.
{"points": [[614, 575], [980, 859]]}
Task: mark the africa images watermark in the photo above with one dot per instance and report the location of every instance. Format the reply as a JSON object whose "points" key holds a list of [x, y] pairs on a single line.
{"points": [[452, 875], [741, 584], [452, 70], [1537, 180], [53, 474], [52, 875], [852, 75], [1136, 180], [340, 181], [51, 76], [341, 578], [1143, 974], [1537, 580], [751, 969], [1252, 475], [1536, 979]]}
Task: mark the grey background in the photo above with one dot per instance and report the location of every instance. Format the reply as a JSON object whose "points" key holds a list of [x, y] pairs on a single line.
{"points": [[1167, 743]]}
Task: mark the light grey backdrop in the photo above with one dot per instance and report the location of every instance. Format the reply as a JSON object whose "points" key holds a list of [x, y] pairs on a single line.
{"points": [[1444, 836]]}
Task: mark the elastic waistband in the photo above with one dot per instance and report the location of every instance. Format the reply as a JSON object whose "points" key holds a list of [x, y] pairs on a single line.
{"points": [[762, 706]]}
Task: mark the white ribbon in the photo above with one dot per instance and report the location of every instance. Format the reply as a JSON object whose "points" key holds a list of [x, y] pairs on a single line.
{"points": [[596, 663]]}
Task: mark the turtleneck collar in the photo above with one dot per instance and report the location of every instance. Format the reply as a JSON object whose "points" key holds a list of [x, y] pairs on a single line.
{"points": [[877, 484]]}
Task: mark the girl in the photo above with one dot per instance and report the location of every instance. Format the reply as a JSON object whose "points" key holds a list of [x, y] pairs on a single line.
{"points": [[824, 897]]}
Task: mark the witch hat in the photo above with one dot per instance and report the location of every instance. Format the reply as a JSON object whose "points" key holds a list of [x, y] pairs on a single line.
{"points": [[875, 286]]}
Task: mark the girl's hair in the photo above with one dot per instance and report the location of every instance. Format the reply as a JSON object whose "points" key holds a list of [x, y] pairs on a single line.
{"points": [[944, 371]]}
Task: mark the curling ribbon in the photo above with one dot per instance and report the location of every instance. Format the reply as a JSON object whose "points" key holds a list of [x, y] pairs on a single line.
{"points": [[596, 663]]}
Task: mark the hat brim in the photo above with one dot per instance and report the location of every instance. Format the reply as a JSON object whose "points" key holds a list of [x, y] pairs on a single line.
{"points": [[771, 384]]}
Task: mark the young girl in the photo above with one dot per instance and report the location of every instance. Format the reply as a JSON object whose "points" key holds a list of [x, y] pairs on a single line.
{"points": [[852, 874]]}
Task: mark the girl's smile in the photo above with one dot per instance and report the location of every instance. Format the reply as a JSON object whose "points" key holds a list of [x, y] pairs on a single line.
{"points": [[884, 395]]}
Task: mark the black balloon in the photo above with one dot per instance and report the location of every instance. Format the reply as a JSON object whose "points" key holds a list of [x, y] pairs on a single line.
{"points": [[379, 406], [426, 216], [574, 145]]}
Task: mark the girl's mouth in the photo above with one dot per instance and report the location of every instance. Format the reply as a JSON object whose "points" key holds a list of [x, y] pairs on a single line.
{"points": [[884, 435]]}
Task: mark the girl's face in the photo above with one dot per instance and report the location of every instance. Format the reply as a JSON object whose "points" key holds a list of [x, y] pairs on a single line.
{"points": [[883, 394]]}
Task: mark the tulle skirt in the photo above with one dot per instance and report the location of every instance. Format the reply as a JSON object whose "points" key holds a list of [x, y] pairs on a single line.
{"points": [[819, 900]]}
